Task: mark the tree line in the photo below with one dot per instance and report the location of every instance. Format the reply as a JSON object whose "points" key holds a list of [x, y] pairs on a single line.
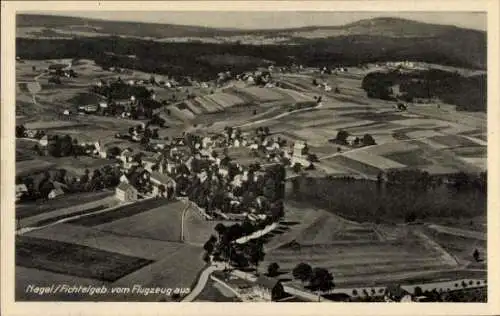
{"points": [[467, 93], [398, 196]]}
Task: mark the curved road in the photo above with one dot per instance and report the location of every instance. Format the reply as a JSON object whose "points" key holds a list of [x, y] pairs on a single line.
{"points": [[202, 281]]}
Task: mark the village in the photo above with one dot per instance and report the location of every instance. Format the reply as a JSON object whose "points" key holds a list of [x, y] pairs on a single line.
{"points": [[233, 176]]}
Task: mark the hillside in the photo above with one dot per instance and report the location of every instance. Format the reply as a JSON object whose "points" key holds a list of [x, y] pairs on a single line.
{"points": [[379, 39]]}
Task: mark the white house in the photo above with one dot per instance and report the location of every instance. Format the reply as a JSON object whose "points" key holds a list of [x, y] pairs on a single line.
{"points": [[124, 179], [44, 141], [158, 180], [21, 189], [126, 192], [55, 193]]}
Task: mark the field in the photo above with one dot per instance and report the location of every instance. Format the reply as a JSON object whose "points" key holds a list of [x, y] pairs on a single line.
{"points": [[216, 292], [24, 210], [354, 253], [106, 254], [160, 223], [80, 261], [460, 243], [119, 213], [28, 167]]}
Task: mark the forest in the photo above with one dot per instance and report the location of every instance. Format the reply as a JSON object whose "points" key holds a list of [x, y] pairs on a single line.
{"points": [[467, 93], [204, 60], [400, 196]]}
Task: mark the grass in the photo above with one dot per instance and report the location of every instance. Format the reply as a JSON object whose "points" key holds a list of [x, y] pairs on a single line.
{"points": [[59, 217], [454, 141], [71, 259], [351, 261], [29, 167], [161, 223], [355, 165], [459, 246], [477, 151], [178, 268], [377, 117], [119, 213], [24, 210], [215, 292], [410, 158]]}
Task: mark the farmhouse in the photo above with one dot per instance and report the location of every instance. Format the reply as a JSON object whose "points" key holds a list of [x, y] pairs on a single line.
{"points": [[269, 289], [126, 193]]}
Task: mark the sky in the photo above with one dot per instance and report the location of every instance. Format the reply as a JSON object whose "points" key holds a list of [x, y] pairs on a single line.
{"points": [[278, 20]]}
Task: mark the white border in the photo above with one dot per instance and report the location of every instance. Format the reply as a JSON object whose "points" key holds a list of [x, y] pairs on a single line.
{"points": [[8, 164]]}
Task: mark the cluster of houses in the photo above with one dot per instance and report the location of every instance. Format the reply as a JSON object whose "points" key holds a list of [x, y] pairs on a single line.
{"points": [[207, 158]]}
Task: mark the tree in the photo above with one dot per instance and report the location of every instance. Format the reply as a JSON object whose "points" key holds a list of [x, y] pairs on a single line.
{"points": [[321, 280], [256, 253], [273, 269], [209, 246], [418, 291], [476, 255], [297, 167], [155, 134], [269, 189], [20, 130], [342, 137], [368, 140], [220, 229], [302, 272]]}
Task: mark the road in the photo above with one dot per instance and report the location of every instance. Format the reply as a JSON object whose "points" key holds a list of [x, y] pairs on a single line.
{"points": [[184, 211], [202, 281], [69, 218]]}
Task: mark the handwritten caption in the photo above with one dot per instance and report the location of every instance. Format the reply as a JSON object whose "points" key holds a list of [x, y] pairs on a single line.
{"points": [[102, 290]]}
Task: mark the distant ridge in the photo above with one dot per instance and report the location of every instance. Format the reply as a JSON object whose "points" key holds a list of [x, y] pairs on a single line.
{"points": [[160, 30]]}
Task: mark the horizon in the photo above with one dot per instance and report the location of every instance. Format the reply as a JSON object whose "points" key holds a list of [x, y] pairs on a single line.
{"points": [[279, 20]]}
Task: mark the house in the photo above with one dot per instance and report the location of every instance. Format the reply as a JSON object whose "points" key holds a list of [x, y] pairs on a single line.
{"points": [[269, 289], [44, 141], [126, 192], [55, 193], [163, 185], [395, 293], [21, 189], [126, 156], [124, 179], [150, 161], [58, 67]]}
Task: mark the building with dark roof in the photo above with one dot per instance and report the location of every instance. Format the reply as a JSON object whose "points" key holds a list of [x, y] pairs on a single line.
{"points": [[126, 192], [269, 289]]}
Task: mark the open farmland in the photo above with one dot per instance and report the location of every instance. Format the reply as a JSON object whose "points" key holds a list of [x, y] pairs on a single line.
{"points": [[113, 260], [119, 213], [359, 262], [460, 243], [198, 230], [160, 223], [73, 259], [24, 210], [28, 167]]}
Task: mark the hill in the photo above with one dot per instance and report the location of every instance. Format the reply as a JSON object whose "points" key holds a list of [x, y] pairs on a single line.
{"points": [[379, 39]]}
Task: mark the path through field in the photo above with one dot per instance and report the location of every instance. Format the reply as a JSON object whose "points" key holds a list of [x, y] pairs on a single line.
{"points": [[202, 281]]}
